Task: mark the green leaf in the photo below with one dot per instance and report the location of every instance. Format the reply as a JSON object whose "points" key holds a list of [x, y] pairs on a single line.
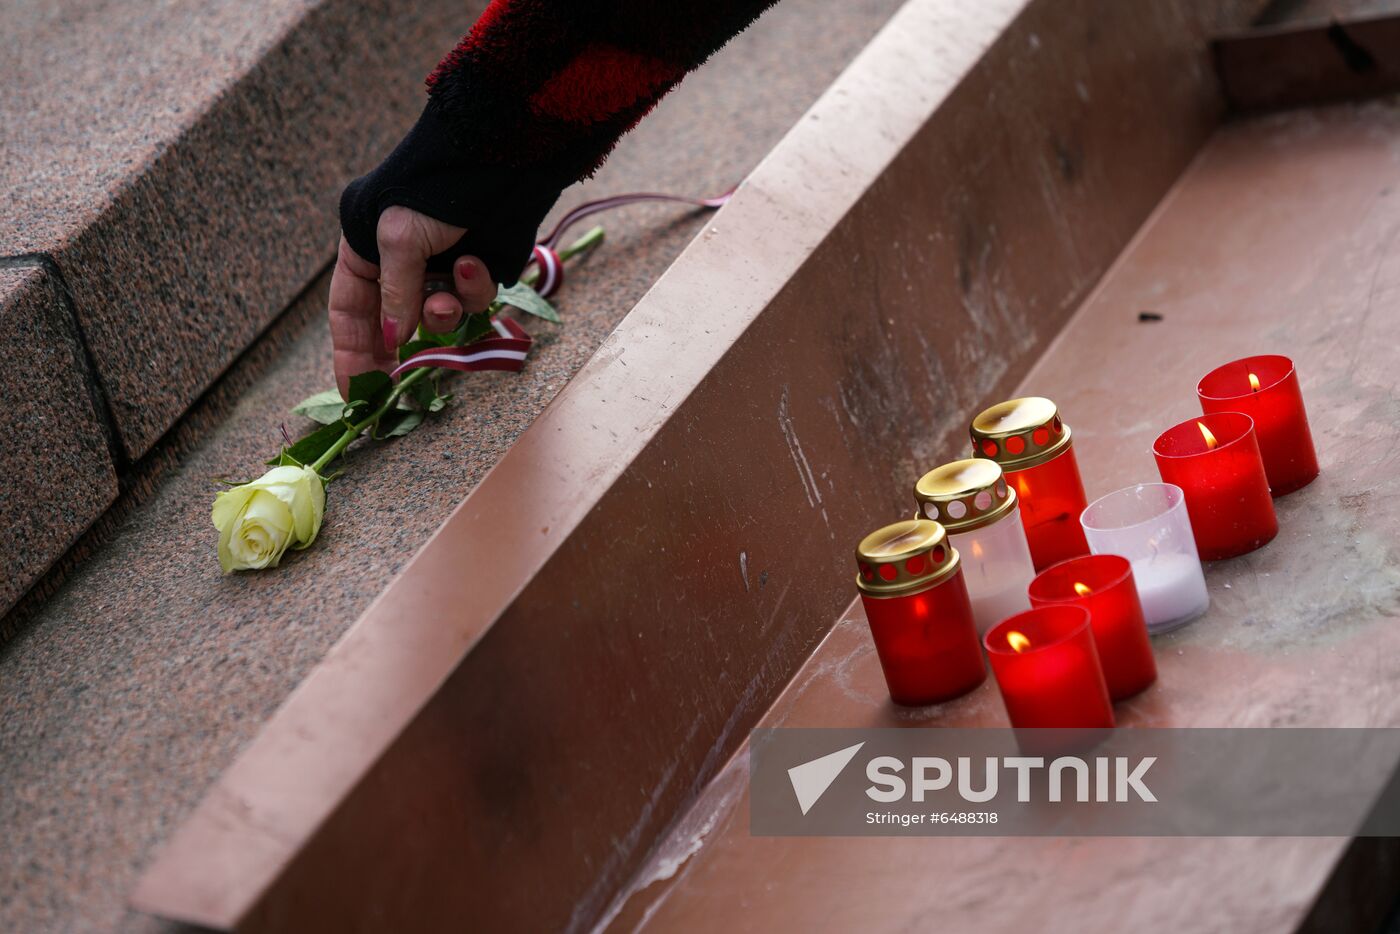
{"points": [[397, 422], [352, 410], [425, 341], [474, 328], [324, 407], [425, 393], [529, 301], [418, 346], [371, 388], [310, 447]]}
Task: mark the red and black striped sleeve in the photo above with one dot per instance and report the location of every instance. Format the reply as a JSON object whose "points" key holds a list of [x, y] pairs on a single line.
{"points": [[530, 101]]}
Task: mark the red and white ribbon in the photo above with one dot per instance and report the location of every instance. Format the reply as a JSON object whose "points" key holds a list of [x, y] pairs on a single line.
{"points": [[507, 351], [551, 270], [546, 254], [590, 208]]}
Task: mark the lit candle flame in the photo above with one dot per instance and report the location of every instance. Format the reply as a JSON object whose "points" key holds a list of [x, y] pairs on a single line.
{"points": [[1210, 438], [1017, 641], [1082, 589], [1253, 383]]}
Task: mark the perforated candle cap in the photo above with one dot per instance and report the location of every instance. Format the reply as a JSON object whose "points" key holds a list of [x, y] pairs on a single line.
{"points": [[965, 495], [1020, 433], [904, 558]]}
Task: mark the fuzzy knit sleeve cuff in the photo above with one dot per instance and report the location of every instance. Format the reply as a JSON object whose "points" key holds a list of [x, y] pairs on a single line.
{"points": [[532, 100], [501, 206]]}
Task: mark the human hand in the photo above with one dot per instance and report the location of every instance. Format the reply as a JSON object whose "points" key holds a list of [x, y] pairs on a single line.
{"points": [[376, 308]]}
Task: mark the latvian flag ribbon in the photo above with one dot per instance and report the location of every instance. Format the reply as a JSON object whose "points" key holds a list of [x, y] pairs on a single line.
{"points": [[507, 350]]}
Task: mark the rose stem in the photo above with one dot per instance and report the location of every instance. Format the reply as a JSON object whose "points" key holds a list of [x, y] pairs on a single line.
{"points": [[587, 242]]}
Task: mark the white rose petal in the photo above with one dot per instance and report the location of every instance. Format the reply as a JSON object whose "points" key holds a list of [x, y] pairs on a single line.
{"points": [[259, 521]]}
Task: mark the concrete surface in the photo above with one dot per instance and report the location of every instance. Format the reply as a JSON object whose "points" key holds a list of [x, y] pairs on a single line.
{"points": [[136, 680]]}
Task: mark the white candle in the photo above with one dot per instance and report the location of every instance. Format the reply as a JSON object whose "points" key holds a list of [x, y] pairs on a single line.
{"points": [[990, 607], [1172, 590], [1148, 525], [997, 570], [972, 500]]}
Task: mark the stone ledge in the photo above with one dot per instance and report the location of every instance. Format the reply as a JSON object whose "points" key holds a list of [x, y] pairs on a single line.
{"points": [[56, 471], [1280, 237], [187, 195]]}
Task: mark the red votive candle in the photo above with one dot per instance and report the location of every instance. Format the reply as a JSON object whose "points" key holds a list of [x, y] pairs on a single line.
{"points": [[1032, 445], [1266, 389], [1048, 669], [911, 584], [1103, 585], [1215, 460]]}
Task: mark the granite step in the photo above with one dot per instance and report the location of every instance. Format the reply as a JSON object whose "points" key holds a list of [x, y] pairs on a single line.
{"points": [[56, 465], [176, 181], [137, 673]]}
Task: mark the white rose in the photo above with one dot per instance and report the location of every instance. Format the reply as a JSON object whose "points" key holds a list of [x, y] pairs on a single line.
{"points": [[259, 521]]}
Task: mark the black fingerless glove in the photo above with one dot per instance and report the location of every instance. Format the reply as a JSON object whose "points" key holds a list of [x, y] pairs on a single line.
{"points": [[501, 207], [530, 101]]}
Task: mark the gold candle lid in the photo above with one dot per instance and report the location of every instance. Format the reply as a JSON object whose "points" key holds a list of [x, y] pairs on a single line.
{"points": [[904, 558], [1020, 433], [965, 495]]}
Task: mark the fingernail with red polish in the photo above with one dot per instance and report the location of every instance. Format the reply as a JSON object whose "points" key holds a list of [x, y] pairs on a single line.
{"points": [[467, 270], [391, 336]]}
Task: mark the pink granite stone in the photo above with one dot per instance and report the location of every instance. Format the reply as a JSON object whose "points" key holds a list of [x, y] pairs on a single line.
{"points": [[184, 171], [56, 473]]}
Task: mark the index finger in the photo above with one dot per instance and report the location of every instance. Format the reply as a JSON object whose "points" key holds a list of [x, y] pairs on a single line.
{"points": [[403, 263], [354, 317]]}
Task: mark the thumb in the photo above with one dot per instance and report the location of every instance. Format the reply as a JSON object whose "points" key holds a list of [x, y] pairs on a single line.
{"points": [[406, 239]]}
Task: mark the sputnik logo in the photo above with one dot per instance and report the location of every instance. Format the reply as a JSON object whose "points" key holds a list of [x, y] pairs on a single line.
{"points": [[810, 780]]}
